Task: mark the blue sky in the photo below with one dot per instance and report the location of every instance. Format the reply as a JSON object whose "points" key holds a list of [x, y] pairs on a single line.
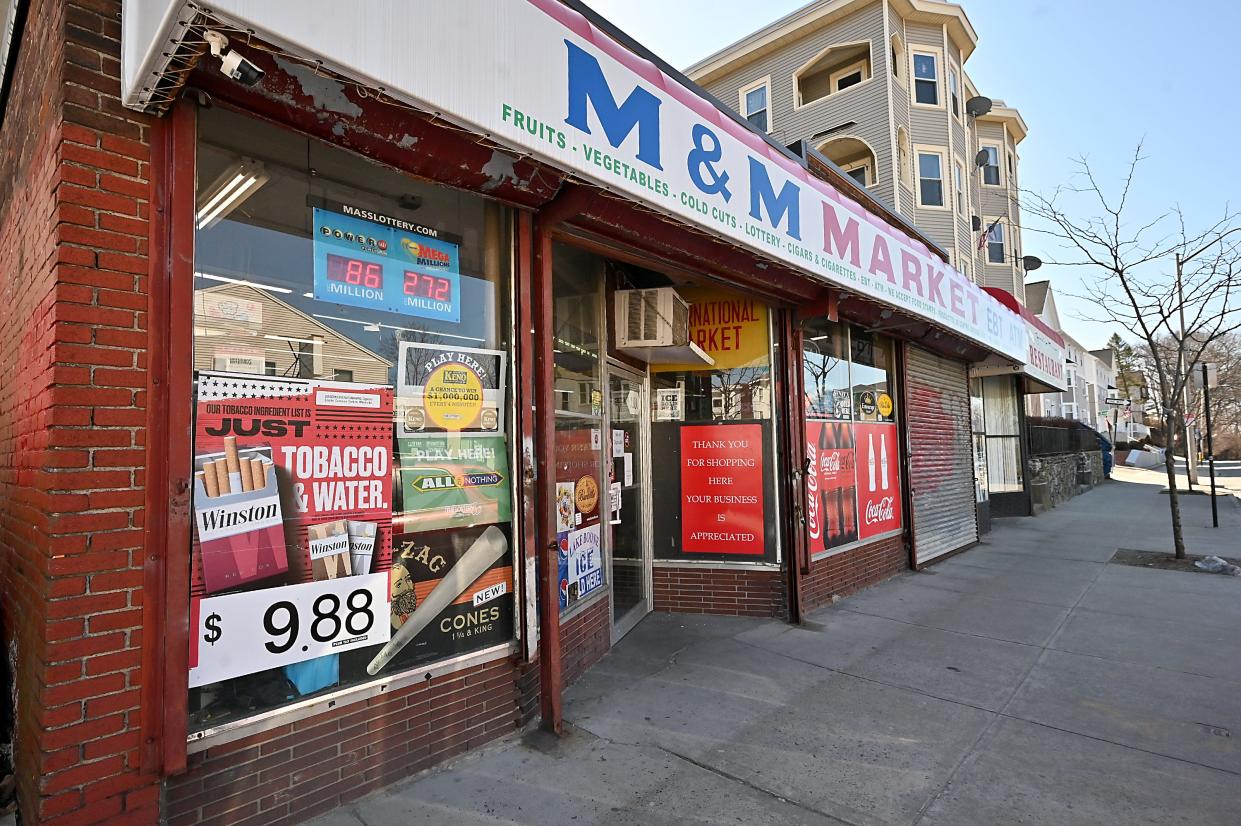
{"points": [[1090, 77]]}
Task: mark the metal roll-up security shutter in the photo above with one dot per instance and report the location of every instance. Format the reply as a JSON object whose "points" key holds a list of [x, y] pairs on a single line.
{"points": [[941, 460]]}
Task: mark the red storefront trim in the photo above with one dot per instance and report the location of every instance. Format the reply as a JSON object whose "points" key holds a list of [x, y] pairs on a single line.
{"points": [[165, 717]]}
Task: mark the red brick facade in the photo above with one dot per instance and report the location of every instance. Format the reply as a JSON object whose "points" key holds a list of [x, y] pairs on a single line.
{"points": [[738, 592], [297, 770], [584, 638], [854, 569], [74, 233]]}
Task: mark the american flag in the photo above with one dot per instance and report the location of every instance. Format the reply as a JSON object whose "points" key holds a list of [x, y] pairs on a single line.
{"points": [[986, 233]]}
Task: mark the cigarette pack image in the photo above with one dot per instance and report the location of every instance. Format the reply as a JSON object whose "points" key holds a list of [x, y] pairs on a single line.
{"points": [[328, 545], [361, 545], [238, 519]]}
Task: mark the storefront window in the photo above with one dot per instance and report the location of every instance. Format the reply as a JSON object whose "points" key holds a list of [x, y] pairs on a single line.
{"points": [[580, 493], [713, 464], [825, 369], [852, 446], [872, 359], [1003, 423], [978, 427], [352, 496]]}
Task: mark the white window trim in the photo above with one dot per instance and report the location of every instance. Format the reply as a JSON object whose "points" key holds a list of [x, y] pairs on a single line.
{"points": [[831, 78], [999, 165], [986, 250], [898, 46], [744, 90], [954, 73], [905, 173], [862, 164], [925, 149], [938, 54], [959, 194]]}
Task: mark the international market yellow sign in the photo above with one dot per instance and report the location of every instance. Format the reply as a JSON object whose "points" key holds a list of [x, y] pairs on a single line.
{"points": [[731, 328]]}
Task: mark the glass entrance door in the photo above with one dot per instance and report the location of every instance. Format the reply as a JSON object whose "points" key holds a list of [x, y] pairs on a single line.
{"points": [[628, 499]]}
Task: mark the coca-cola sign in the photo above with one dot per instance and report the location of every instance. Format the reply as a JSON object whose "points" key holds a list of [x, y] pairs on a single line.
{"points": [[813, 526], [877, 468], [831, 503], [882, 511], [831, 462]]}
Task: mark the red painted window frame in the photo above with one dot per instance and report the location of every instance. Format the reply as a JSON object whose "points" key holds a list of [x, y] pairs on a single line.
{"points": [[170, 284]]}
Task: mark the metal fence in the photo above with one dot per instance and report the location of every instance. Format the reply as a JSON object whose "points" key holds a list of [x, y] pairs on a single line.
{"points": [[1049, 441]]}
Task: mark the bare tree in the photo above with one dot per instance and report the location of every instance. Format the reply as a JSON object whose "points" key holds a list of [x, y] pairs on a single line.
{"points": [[1156, 278], [1225, 353]]}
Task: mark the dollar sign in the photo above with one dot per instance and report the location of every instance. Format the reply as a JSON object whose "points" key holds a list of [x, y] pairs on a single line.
{"points": [[213, 629]]}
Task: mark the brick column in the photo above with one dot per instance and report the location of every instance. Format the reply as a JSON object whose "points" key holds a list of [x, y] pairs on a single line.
{"points": [[73, 230]]}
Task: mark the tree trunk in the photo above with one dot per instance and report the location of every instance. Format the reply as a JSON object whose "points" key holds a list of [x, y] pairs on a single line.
{"points": [[1174, 502]]}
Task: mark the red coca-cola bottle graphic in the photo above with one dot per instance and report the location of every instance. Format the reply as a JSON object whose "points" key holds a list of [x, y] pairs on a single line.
{"points": [[850, 507], [825, 444]]}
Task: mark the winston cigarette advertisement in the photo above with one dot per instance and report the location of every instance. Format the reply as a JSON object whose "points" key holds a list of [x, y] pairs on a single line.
{"points": [[281, 468], [293, 518]]}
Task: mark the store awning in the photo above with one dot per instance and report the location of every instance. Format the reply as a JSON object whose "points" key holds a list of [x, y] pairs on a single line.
{"points": [[1043, 367], [558, 83]]}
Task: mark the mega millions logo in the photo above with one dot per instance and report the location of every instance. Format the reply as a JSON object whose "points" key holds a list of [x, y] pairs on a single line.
{"points": [[424, 254]]}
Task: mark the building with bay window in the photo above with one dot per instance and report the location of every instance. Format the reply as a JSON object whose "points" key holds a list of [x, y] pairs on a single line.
{"points": [[360, 399]]}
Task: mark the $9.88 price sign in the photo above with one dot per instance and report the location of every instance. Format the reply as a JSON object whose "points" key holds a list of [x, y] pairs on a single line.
{"points": [[237, 634]]}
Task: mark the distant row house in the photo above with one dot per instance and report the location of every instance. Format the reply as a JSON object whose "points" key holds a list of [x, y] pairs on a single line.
{"points": [[1091, 396]]}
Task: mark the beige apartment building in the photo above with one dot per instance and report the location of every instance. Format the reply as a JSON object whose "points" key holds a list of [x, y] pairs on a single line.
{"points": [[879, 88]]}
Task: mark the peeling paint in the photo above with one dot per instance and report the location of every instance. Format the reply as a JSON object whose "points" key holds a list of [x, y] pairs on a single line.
{"points": [[338, 129], [408, 142], [326, 93], [498, 170]]}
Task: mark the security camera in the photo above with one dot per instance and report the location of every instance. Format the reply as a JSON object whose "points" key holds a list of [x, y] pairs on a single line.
{"points": [[232, 64]]}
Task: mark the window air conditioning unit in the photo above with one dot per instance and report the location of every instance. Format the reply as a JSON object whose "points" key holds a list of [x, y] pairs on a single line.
{"points": [[651, 318]]}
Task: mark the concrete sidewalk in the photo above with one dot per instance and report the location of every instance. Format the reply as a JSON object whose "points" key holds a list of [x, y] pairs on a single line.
{"points": [[1025, 681]]}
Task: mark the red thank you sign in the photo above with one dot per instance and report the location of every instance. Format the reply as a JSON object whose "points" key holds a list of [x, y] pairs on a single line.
{"points": [[722, 489]]}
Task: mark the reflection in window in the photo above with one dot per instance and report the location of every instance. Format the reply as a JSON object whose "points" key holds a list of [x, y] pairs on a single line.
{"points": [[930, 179], [756, 106], [872, 375], [289, 374], [926, 79], [825, 368], [577, 283]]}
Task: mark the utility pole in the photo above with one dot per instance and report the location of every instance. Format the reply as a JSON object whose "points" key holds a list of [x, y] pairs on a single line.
{"points": [[1206, 411]]}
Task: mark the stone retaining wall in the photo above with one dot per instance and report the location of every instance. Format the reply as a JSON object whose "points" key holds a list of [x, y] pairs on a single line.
{"points": [[1057, 479]]}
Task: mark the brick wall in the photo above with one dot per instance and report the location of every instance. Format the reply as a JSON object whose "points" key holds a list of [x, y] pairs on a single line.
{"points": [[298, 770], [584, 639], [73, 232], [732, 591], [853, 570]]}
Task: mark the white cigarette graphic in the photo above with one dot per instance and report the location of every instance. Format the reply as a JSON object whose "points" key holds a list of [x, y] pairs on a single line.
{"points": [[481, 555]]}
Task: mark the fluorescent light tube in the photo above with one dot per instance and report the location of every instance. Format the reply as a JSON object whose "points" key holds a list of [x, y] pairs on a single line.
{"points": [[229, 191]]}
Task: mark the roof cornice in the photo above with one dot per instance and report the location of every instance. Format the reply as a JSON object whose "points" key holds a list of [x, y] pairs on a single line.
{"points": [[1010, 118]]}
